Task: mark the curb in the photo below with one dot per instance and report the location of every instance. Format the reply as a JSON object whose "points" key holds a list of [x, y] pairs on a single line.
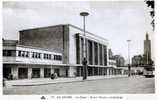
{"points": [[68, 81]]}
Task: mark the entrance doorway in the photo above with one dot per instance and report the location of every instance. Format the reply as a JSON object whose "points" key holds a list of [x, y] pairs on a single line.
{"points": [[47, 72], [6, 72], [66, 72], [23, 73], [56, 70], [35, 72]]}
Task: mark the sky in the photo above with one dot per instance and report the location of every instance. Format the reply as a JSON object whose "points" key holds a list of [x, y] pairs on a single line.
{"points": [[116, 21]]}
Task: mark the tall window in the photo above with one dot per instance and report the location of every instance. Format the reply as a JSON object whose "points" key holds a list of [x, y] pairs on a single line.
{"points": [[90, 52], [100, 54], [77, 48], [96, 53], [105, 55]]}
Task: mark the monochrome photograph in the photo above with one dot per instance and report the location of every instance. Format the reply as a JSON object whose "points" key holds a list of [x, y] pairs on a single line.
{"points": [[78, 47]]}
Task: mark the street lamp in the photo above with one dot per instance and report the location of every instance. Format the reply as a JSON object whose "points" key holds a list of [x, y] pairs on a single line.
{"points": [[84, 60], [129, 66]]}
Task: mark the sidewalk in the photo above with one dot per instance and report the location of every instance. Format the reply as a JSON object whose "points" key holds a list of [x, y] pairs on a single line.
{"points": [[45, 81]]}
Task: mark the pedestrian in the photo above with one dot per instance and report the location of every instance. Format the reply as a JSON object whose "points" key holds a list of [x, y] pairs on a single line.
{"points": [[52, 76]]}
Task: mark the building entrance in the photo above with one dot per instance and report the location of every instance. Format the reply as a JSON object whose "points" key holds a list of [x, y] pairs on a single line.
{"points": [[47, 72], [66, 72], [6, 72], [23, 73], [35, 72]]}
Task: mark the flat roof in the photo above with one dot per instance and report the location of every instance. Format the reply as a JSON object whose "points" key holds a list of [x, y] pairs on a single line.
{"points": [[65, 25]]}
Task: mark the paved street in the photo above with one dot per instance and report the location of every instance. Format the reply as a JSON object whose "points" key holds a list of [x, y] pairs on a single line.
{"points": [[133, 85]]}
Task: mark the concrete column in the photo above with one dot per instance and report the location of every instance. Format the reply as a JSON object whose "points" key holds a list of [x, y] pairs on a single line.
{"points": [[17, 53], [41, 72], [122, 72], [14, 72], [98, 54], [80, 71], [71, 71], [93, 53], [52, 70], [108, 71], [29, 73]]}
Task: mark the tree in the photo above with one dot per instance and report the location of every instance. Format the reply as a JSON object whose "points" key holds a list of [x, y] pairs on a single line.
{"points": [[150, 3]]}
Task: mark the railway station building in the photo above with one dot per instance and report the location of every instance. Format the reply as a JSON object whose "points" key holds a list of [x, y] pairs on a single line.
{"points": [[39, 52]]}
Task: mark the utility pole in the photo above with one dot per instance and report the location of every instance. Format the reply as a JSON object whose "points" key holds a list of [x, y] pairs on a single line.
{"points": [[129, 66], [84, 60]]}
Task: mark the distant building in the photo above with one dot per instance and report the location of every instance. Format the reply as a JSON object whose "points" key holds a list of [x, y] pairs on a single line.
{"points": [[147, 50], [110, 54], [144, 59], [112, 61], [137, 60], [115, 60], [119, 60]]}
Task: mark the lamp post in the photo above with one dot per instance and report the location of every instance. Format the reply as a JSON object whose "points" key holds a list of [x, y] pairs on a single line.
{"points": [[84, 60], [129, 66]]}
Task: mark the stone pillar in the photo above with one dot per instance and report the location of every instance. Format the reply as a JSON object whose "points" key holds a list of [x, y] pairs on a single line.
{"points": [[29, 72], [41, 72], [14, 72], [93, 53]]}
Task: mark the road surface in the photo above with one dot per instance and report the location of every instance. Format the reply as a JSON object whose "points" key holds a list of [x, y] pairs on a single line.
{"points": [[131, 85]]}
